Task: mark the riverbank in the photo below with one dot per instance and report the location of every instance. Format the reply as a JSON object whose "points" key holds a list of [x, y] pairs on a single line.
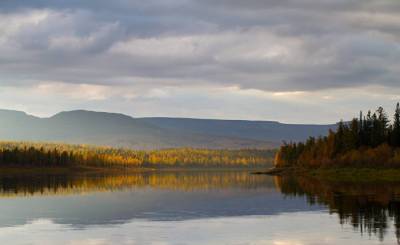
{"points": [[20, 170], [340, 174], [11, 170]]}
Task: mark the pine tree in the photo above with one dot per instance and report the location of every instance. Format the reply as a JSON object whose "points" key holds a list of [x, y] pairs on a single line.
{"points": [[396, 127], [339, 138], [383, 123]]}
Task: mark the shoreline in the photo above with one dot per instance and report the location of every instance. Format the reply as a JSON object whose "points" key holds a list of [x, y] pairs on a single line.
{"points": [[115, 170], [66, 170], [351, 174]]}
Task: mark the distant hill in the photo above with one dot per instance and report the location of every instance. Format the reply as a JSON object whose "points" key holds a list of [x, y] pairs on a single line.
{"points": [[118, 130]]}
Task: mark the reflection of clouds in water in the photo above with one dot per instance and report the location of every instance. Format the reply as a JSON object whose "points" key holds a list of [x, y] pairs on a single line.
{"points": [[285, 242], [189, 208], [89, 242], [154, 196], [284, 229]]}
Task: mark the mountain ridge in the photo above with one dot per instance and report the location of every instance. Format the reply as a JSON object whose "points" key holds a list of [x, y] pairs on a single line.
{"points": [[120, 130]]}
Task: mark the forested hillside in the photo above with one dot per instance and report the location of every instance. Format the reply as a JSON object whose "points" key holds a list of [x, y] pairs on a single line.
{"points": [[368, 141]]}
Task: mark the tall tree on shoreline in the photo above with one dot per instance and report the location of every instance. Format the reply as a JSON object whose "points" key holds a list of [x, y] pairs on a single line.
{"points": [[396, 127]]}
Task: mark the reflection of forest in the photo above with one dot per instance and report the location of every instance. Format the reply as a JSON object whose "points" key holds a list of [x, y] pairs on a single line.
{"points": [[25, 185], [368, 207]]}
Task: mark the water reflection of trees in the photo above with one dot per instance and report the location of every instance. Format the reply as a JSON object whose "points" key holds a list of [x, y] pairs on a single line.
{"points": [[368, 207], [51, 184]]}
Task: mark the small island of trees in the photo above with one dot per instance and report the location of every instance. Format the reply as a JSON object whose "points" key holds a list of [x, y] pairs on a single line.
{"points": [[368, 141]]}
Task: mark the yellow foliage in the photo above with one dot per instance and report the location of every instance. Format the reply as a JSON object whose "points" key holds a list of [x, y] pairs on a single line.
{"points": [[48, 154]]}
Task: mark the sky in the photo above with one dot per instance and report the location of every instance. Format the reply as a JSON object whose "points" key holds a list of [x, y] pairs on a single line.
{"points": [[294, 61]]}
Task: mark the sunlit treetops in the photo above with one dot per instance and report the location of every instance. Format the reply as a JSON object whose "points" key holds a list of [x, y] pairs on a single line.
{"points": [[46, 154]]}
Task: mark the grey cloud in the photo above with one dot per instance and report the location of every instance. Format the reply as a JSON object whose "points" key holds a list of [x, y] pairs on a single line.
{"points": [[270, 45]]}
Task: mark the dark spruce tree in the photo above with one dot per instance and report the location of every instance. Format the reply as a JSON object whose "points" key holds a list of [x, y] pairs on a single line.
{"points": [[395, 135]]}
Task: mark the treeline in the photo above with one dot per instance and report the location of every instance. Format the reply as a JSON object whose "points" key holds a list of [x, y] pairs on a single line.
{"points": [[367, 141], [60, 155]]}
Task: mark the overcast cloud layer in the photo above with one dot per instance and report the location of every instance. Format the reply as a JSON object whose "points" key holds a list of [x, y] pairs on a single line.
{"points": [[288, 60]]}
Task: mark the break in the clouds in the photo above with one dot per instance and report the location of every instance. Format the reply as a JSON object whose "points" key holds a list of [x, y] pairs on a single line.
{"points": [[286, 60]]}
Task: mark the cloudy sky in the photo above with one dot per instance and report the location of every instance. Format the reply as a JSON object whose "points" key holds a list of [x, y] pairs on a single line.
{"points": [[297, 61]]}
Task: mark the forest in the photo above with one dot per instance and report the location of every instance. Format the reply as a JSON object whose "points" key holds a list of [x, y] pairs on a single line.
{"points": [[65, 155], [372, 140]]}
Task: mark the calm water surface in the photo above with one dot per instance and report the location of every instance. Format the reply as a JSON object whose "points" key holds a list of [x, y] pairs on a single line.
{"points": [[195, 208]]}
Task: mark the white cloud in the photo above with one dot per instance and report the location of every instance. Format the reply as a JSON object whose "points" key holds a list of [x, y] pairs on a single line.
{"points": [[73, 91]]}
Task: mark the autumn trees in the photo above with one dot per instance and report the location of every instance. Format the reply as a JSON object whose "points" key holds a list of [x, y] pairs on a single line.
{"points": [[61, 155], [369, 140]]}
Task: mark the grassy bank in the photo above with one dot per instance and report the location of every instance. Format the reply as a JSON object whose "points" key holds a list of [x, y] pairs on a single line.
{"points": [[356, 174]]}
